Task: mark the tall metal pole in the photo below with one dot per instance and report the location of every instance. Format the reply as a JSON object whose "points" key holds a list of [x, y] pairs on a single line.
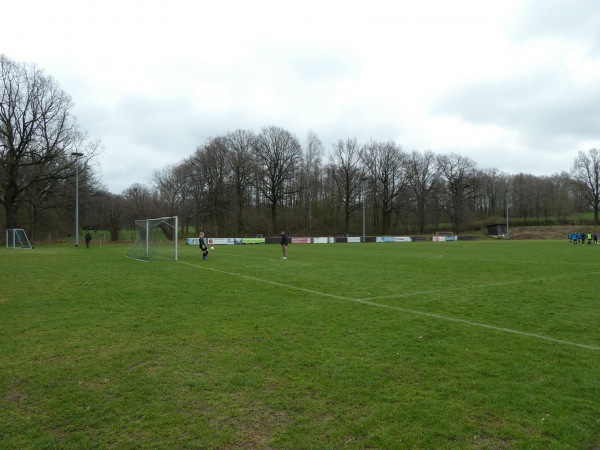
{"points": [[76, 155]]}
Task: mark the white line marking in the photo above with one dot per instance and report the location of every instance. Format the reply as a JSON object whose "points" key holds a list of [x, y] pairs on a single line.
{"points": [[136, 259], [409, 311], [274, 283], [481, 325]]}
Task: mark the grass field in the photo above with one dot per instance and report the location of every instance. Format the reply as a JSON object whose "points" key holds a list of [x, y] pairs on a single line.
{"points": [[414, 345]]}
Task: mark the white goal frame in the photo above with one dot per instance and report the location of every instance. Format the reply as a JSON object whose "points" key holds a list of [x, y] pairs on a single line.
{"points": [[17, 238], [144, 236]]}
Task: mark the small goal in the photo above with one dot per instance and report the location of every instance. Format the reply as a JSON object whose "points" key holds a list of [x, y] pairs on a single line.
{"points": [[17, 238], [155, 240]]}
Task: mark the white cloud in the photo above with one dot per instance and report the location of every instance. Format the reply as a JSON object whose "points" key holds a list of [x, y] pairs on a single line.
{"points": [[510, 84]]}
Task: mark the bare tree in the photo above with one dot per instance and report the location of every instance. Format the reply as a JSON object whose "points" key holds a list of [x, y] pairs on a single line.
{"points": [[535, 198], [586, 175], [168, 185], [279, 154], [562, 196], [311, 176], [386, 166], [213, 160], [112, 207], [548, 199], [491, 198], [424, 180], [240, 144], [185, 204], [38, 133], [459, 187], [139, 203], [195, 178], [347, 176], [521, 195]]}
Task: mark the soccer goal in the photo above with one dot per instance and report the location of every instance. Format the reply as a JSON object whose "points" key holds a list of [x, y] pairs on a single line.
{"points": [[17, 238], [155, 239]]}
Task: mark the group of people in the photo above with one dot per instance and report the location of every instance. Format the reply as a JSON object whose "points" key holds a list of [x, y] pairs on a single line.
{"points": [[202, 243], [580, 238]]}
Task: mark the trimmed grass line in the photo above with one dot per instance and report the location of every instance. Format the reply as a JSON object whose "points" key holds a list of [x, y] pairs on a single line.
{"points": [[274, 283], [409, 311], [462, 288]]}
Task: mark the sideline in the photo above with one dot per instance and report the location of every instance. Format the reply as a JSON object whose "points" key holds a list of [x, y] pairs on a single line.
{"points": [[405, 310]]}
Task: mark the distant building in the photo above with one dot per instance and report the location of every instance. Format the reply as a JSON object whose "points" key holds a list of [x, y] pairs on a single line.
{"points": [[497, 230]]}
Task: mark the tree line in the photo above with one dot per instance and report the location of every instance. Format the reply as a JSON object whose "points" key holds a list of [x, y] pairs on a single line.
{"points": [[243, 183], [246, 183]]}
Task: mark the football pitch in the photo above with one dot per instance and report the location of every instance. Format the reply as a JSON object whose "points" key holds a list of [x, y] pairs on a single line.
{"points": [[485, 344]]}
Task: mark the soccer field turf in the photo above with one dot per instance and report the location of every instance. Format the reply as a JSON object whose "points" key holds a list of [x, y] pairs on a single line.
{"points": [[489, 344]]}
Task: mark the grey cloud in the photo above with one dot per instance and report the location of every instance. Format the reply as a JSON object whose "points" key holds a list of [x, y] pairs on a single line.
{"points": [[323, 67], [546, 102], [155, 123], [578, 20]]}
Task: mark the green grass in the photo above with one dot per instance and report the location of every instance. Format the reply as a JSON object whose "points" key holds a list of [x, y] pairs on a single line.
{"points": [[490, 344]]}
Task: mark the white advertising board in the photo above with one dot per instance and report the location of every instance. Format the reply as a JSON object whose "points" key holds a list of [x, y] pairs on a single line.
{"points": [[323, 240], [393, 239]]}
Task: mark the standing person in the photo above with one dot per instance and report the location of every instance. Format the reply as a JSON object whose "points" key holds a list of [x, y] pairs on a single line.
{"points": [[203, 246], [88, 238], [595, 238], [589, 238], [284, 244]]}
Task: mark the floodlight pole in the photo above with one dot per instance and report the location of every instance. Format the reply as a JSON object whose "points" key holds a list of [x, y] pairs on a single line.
{"points": [[77, 155], [506, 200]]}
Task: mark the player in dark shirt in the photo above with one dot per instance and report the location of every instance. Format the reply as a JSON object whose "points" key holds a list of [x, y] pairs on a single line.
{"points": [[203, 246], [284, 244]]}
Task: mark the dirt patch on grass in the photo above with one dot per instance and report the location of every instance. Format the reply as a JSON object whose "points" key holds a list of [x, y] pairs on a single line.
{"points": [[553, 233]]}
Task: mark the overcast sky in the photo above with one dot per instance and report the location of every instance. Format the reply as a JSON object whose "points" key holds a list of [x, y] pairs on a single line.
{"points": [[512, 84]]}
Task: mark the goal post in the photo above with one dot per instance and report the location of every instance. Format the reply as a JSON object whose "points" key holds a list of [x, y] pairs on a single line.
{"points": [[17, 238], [155, 239]]}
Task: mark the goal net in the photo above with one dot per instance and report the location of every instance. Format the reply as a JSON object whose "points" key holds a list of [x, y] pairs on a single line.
{"points": [[17, 238], [155, 240]]}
